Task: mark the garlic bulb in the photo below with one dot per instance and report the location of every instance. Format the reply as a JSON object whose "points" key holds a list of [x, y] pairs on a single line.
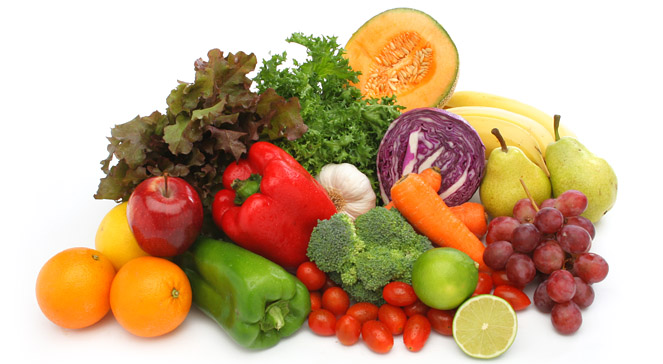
{"points": [[348, 188]]}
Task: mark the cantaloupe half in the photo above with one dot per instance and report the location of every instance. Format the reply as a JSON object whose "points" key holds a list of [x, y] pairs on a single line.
{"points": [[407, 53]]}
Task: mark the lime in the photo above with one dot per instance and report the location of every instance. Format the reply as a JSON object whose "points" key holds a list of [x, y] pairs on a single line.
{"points": [[114, 238], [443, 278], [485, 326]]}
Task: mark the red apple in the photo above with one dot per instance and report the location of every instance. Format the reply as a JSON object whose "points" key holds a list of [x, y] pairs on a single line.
{"points": [[165, 215]]}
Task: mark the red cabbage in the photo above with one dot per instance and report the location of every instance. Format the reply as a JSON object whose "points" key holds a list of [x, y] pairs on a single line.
{"points": [[426, 137]]}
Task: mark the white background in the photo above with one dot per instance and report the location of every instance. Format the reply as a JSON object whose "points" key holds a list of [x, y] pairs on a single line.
{"points": [[70, 71]]}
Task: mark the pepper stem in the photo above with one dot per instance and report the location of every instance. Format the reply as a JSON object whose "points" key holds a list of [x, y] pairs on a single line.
{"points": [[274, 316], [245, 188]]}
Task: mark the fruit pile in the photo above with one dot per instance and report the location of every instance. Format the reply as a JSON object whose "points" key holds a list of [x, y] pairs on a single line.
{"points": [[552, 240], [148, 296], [216, 212], [128, 272]]}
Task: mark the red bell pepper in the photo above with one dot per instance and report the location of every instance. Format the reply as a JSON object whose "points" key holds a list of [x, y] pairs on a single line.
{"points": [[270, 204]]}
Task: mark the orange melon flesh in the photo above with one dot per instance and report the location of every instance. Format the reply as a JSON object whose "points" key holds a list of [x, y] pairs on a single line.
{"points": [[404, 52]]}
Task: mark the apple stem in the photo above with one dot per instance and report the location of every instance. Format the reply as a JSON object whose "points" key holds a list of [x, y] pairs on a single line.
{"points": [[529, 195], [498, 135], [165, 184]]}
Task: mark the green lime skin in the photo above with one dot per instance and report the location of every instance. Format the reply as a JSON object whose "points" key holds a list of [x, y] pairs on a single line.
{"points": [[443, 278]]}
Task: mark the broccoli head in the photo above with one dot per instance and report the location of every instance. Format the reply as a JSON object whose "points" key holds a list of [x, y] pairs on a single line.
{"points": [[379, 247]]}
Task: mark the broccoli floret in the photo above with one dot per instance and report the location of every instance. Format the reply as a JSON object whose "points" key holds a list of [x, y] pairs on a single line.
{"points": [[384, 227], [338, 235], [379, 247]]}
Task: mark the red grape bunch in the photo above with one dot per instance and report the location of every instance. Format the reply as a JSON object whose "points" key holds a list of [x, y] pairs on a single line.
{"points": [[552, 240]]}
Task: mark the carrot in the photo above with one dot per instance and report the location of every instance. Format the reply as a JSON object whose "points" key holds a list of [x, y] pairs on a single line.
{"points": [[431, 175], [428, 214], [473, 215]]}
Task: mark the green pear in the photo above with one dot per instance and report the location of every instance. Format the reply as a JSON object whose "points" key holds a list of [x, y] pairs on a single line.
{"points": [[501, 186], [573, 167]]}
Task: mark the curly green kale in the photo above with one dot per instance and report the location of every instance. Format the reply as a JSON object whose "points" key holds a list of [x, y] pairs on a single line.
{"points": [[343, 127], [364, 255]]}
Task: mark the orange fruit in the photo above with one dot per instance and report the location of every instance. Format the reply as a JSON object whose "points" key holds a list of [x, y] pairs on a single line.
{"points": [[73, 287], [150, 296]]}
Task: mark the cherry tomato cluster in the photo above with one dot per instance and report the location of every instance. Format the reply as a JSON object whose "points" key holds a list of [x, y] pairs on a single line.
{"points": [[333, 313]]}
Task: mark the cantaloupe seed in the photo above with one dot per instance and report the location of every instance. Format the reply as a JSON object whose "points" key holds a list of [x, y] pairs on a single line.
{"points": [[403, 62]]}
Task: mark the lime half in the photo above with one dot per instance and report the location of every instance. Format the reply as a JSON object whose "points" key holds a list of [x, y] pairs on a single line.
{"points": [[485, 326]]}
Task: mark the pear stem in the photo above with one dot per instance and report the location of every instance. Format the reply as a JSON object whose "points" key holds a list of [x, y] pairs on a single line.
{"points": [[529, 195], [556, 119], [498, 135]]}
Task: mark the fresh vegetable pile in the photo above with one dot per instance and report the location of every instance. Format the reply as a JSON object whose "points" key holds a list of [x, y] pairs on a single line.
{"points": [[343, 126], [260, 207], [208, 123]]}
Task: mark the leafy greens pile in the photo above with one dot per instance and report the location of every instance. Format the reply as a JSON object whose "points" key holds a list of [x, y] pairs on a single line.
{"points": [[208, 124], [311, 110], [343, 127]]}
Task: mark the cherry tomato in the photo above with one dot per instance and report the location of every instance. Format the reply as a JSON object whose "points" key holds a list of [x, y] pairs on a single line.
{"points": [[328, 284], [336, 300], [377, 337], [500, 278], [348, 330], [399, 294], [484, 285], [312, 277], [416, 333], [416, 308], [516, 297], [393, 318], [441, 321], [316, 300], [363, 311], [322, 322]]}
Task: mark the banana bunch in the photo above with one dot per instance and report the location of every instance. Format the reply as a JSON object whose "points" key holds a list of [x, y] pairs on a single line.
{"points": [[520, 124]]}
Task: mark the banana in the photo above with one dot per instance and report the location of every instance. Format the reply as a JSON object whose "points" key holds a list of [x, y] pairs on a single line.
{"points": [[541, 134], [513, 135], [474, 98]]}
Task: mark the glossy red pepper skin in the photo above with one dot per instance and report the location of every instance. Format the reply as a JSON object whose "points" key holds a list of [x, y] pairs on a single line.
{"points": [[275, 222]]}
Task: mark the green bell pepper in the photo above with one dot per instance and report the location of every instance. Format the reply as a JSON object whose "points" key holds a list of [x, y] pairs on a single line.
{"points": [[255, 300]]}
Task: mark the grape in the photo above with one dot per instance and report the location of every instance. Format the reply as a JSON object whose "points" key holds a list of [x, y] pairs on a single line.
{"points": [[548, 220], [525, 238], [583, 222], [547, 203], [496, 254], [520, 269], [566, 317], [541, 299], [501, 228], [548, 257], [591, 267], [584, 293], [571, 203], [561, 286], [574, 239], [524, 211]]}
